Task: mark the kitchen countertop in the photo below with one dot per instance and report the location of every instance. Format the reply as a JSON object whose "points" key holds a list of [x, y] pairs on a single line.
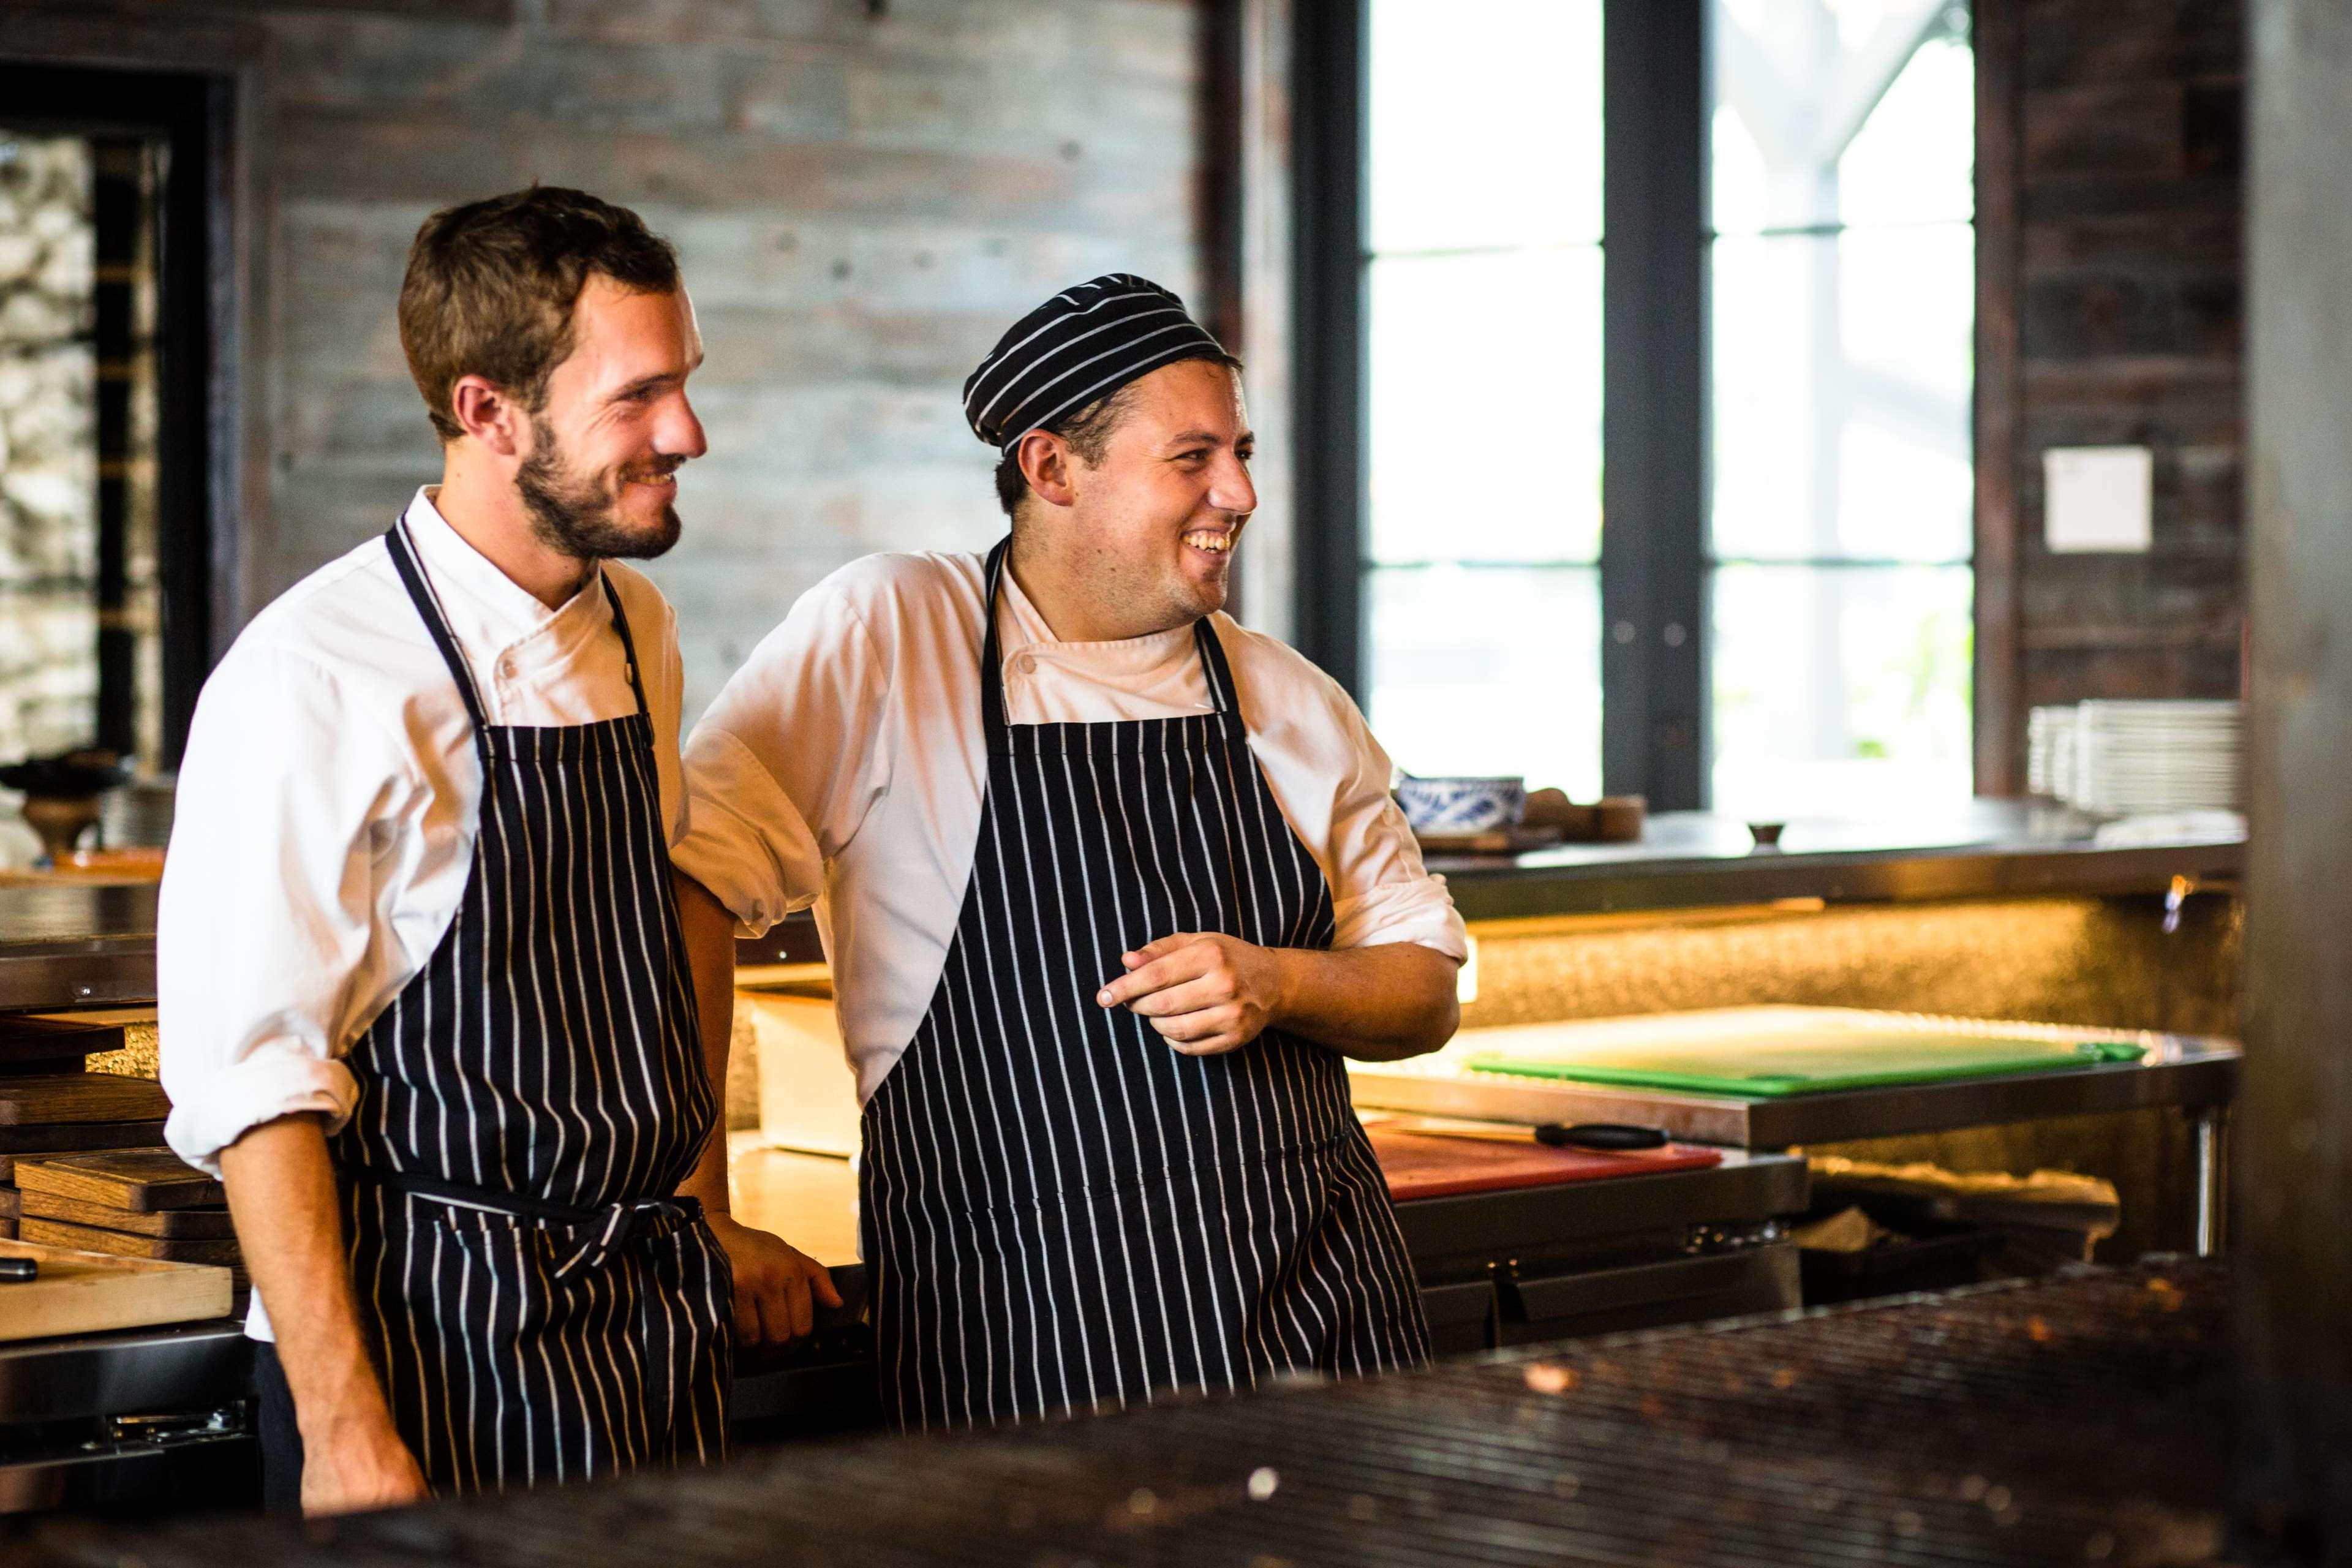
{"points": [[70, 946]]}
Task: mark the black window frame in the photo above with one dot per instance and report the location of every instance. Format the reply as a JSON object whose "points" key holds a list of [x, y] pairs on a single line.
{"points": [[187, 112], [1656, 707]]}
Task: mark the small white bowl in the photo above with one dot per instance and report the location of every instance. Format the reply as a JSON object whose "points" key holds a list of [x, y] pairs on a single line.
{"points": [[1461, 804]]}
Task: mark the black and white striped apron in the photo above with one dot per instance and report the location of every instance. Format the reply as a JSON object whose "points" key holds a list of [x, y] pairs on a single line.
{"points": [[540, 1305], [1060, 1212]]}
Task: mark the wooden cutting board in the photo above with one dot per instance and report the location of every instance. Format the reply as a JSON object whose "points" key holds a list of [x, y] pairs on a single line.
{"points": [[74, 1137], [46, 1098], [179, 1225], [122, 1244], [82, 1292], [138, 1180], [1421, 1165]]}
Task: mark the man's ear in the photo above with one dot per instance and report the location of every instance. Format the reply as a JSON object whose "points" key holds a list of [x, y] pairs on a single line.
{"points": [[483, 411], [1047, 462]]}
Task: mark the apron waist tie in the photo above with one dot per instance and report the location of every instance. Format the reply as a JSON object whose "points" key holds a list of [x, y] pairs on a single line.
{"points": [[611, 1223]]}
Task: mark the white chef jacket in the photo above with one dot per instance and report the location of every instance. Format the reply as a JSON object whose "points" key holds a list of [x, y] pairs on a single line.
{"points": [[327, 806], [844, 765]]}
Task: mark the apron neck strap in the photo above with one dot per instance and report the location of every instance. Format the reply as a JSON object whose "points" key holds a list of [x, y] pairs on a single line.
{"points": [[429, 609], [1205, 642], [405, 561]]}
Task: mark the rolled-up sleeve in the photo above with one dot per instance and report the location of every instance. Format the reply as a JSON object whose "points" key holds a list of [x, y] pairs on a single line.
{"points": [[783, 769], [269, 888], [1380, 890]]}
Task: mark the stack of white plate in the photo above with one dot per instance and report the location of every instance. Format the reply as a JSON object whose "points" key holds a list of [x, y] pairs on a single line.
{"points": [[2129, 759], [2049, 751]]}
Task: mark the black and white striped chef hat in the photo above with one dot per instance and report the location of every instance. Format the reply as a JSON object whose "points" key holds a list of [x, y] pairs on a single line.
{"points": [[1083, 343]]}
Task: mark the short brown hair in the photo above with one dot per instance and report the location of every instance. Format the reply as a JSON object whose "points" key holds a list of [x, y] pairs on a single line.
{"points": [[491, 284]]}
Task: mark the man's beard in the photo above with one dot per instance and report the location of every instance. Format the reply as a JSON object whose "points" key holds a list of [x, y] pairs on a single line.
{"points": [[576, 515]]}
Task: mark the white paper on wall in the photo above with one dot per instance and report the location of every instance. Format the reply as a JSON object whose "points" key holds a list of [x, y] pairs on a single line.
{"points": [[2097, 499]]}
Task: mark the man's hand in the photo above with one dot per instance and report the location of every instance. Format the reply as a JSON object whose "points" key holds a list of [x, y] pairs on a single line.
{"points": [[1204, 992], [776, 1284], [357, 1464]]}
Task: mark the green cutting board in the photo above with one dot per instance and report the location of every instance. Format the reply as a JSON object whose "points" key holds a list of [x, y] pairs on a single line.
{"points": [[1816, 1064]]}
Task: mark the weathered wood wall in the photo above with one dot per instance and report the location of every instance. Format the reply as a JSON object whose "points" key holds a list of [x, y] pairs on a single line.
{"points": [[864, 196], [2123, 300]]}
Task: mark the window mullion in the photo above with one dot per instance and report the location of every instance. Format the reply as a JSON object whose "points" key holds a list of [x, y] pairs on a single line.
{"points": [[1652, 556]]}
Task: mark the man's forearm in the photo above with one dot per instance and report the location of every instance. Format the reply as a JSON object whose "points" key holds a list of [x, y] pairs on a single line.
{"points": [[282, 1197], [1375, 1004], [710, 933]]}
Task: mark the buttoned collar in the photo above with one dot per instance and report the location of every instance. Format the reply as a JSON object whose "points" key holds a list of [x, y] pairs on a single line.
{"points": [[488, 611], [1022, 628]]}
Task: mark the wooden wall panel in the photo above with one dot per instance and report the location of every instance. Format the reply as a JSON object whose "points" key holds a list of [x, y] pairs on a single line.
{"points": [[861, 203], [2123, 311]]}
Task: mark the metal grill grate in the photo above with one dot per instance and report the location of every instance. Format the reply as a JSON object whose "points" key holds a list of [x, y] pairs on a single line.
{"points": [[2079, 1420]]}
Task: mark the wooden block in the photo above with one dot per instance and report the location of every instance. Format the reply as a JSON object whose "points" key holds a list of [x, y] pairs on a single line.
{"points": [[26, 1039], [74, 1137], [140, 1180], [82, 1292], [123, 1244], [175, 1225], [7, 1230], [79, 1097], [11, 1202]]}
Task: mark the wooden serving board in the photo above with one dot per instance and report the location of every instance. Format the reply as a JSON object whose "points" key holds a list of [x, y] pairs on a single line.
{"points": [[138, 1180], [1421, 1165], [83, 1292], [76, 1137], [49, 1097], [122, 1244], [178, 1224]]}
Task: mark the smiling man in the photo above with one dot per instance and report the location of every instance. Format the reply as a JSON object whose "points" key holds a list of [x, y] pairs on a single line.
{"points": [[1109, 884], [425, 1004]]}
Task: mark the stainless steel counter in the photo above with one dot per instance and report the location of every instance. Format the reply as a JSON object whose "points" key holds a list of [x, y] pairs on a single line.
{"points": [[81, 947], [69, 946], [1693, 860]]}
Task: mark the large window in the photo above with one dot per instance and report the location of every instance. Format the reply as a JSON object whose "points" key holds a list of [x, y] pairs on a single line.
{"points": [[1482, 537], [1788, 576], [1843, 290]]}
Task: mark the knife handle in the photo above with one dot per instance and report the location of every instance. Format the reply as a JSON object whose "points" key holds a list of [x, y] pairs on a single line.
{"points": [[1609, 1136], [15, 1267]]}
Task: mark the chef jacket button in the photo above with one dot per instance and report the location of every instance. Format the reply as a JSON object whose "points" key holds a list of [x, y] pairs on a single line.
{"points": [[1026, 663]]}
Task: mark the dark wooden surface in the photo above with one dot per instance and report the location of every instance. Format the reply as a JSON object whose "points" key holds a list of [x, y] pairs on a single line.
{"points": [[2073, 1422], [2110, 313], [72, 1137]]}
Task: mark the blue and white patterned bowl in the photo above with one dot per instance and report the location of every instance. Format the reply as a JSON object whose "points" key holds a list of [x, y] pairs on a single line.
{"points": [[1461, 804]]}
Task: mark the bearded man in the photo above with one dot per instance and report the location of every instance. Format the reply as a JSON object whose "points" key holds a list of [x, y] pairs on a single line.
{"points": [[1109, 884], [424, 1000]]}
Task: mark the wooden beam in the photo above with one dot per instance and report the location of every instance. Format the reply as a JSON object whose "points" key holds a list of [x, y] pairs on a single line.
{"points": [[2000, 715]]}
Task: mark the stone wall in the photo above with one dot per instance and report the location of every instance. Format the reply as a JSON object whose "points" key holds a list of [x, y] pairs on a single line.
{"points": [[863, 198], [49, 519]]}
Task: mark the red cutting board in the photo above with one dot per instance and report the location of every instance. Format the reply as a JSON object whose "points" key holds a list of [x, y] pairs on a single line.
{"points": [[1420, 1165]]}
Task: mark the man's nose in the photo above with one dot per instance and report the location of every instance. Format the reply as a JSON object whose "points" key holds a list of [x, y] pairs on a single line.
{"points": [[1230, 488], [680, 434]]}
